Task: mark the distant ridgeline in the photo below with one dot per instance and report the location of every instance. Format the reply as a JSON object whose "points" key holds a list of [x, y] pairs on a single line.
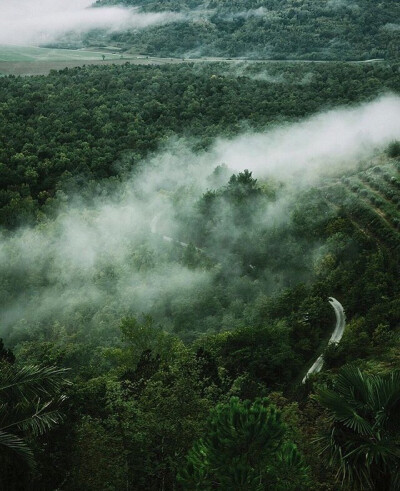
{"points": [[277, 29]]}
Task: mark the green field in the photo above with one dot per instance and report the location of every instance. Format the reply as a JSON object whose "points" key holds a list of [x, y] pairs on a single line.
{"points": [[31, 54]]}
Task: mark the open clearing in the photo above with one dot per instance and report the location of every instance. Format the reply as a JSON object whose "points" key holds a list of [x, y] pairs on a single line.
{"points": [[33, 54], [31, 60]]}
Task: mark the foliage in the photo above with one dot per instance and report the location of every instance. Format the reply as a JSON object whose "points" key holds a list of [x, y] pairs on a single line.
{"points": [[95, 114], [244, 447], [277, 29], [144, 386], [363, 441], [30, 397], [145, 337], [394, 149]]}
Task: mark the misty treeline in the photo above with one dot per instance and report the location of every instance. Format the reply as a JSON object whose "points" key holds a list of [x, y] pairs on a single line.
{"points": [[276, 29], [239, 316], [186, 297], [56, 22], [238, 313], [61, 131]]}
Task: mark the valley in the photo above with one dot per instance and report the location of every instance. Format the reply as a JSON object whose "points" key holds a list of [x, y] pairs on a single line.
{"points": [[199, 245]]}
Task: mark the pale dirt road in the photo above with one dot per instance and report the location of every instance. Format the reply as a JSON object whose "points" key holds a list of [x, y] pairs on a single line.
{"points": [[336, 305], [335, 338]]}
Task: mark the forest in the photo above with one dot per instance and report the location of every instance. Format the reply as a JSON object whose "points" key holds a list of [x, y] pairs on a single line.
{"points": [[271, 29], [135, 108], [200, 245], [164, 291]]}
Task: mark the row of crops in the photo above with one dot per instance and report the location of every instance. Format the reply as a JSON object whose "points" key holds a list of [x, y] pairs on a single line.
{"points": [[371, 200]]}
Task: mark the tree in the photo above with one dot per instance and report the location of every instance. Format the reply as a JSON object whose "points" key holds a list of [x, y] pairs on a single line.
{"points": [[6, 355], [394, 149], [245, 447], [363, 438], [29, 400], [143, 336]]}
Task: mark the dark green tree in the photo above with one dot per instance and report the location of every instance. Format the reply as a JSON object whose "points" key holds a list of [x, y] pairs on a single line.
{"points": [[6, 355], [29, 400], [394, 149], [363, 441], [245, 447]]}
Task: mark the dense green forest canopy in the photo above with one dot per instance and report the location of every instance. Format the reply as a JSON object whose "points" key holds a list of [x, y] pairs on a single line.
{"points": [[277, 29], [135, 108], [185, 298]]}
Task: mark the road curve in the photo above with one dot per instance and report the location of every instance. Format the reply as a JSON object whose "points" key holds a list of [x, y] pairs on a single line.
{"points": [[335, 338], [336, 305], [166, 238]]}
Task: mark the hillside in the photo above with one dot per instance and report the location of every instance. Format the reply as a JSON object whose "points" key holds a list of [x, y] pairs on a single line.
{"points": [[199, 258], [371, 199], [133, 108], [277, 29]]}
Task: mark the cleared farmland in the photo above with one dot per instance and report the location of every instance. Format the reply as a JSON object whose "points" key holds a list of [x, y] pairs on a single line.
{"points": [[30, 60], [32, 53]]}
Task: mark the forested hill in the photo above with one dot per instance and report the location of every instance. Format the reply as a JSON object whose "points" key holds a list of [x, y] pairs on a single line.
{"points": [[171, 233], [133, 108], [278, 29]]}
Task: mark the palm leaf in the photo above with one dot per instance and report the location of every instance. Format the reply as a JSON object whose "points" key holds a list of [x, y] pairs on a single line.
{"points": [[30, 382], [41, 421], [352, 384], [385, 392], [363, 442], [17, 445], [395, 483], [26, 404], [343, 411]]}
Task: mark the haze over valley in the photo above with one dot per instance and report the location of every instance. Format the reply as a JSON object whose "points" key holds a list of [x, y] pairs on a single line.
{"points": [[199, 245], [43, 22]]}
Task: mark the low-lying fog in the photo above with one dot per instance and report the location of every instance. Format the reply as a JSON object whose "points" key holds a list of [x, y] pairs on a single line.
{"points": [[103, 256], [34, 22]]}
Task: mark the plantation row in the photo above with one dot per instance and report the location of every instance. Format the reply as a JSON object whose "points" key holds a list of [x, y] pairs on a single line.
{"points": [[371, 200], [386, 207]]}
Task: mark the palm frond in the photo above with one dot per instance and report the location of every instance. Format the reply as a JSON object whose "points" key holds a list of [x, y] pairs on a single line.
{"points": [[363, 442], [31, 382], [17, 445], [43, 420], [343, 411], [352, 384], [385, 392], [395, 478]]}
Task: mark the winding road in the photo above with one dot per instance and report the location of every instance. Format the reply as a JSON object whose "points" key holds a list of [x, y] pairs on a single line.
{"points": [[336, 305], [335, 338], [153, 228]]}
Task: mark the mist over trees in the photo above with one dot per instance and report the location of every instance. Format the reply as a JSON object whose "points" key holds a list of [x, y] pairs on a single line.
{"points": [[54, 21], [136, 108], [273, 29], [170, 236]]}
